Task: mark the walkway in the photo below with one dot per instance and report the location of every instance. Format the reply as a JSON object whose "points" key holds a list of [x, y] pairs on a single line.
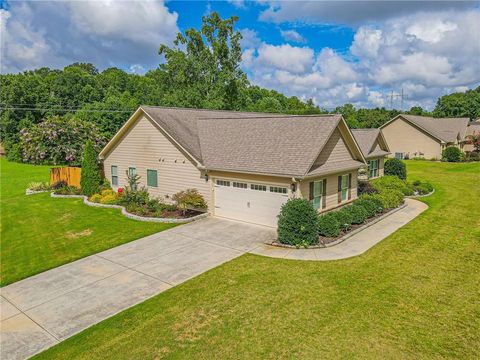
{"points": [[42, 310]]}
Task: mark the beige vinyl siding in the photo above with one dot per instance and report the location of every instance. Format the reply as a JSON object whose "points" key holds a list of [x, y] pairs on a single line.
{"points": [[144, 147], [401, 136], [331, 200], [381, 167], [335, 150]]}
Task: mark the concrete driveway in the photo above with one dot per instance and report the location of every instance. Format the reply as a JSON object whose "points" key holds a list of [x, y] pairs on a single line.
{"points": [[42, 310]]}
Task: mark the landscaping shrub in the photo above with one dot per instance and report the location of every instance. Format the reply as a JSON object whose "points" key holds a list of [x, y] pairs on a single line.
{"points": [[452, 154], [90, 179], [344, 218], [422, 187], [108, 192], [39, 186], [59, 184], [375, 200], [297, 223], [395, 167], [95, 198], [391, 198], [58, 140], [109, 199], [189, 199], [472, 156], [392, 183], [328, 225], [365, 187], [370, 205], [358, 213]]}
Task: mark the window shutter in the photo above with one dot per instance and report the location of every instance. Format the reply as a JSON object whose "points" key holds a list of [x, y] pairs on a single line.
{"points": [[324, 193], [339, 189], [349, 186], [311, 191]]}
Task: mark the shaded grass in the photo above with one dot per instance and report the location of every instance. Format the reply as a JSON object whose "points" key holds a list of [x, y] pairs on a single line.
{"points": [[39, 233], [415, 295]]}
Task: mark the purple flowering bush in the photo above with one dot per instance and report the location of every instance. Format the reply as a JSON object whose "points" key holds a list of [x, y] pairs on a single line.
{"points": [[58, 141]]}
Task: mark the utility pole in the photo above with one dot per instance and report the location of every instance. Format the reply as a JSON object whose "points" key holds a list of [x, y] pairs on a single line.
{"points": [[393, 95]]}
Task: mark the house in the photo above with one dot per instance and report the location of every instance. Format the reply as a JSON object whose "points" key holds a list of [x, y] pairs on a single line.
{"points": [[246, 165], [410, 136], [472, 129], [374, 149]]}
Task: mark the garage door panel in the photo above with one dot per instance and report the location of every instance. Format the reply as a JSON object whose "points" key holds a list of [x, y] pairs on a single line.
{"points": [[259, 207]]}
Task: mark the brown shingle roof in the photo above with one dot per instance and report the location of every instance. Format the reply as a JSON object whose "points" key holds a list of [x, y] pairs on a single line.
{"points": [[285, 145], [366, 139], [445, 129], [276, 144]]}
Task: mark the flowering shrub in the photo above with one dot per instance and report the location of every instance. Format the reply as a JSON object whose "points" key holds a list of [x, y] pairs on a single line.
{"points": [[58, 140]]}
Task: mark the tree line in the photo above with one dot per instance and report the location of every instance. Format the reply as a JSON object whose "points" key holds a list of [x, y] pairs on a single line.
{"points": [[201, 70]]}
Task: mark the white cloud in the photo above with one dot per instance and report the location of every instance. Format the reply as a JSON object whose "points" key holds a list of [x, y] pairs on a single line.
{"points": [[286, 57], [431, 31], [366, 42], [106, 33], [292, 35], [352, 12]]}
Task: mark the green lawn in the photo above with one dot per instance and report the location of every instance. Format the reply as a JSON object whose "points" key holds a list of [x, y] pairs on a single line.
{"points": [[39, 233], [415, 295]]}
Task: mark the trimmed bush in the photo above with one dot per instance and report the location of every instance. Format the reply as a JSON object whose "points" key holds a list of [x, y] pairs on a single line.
{"points": [[369, 204], [109, 199], [395, 167], [90, 179], [95, 198], [328, 225], [392, 183], [297, 223], [189, 199], [376, 200], [391, 198], [344, 218], [452, 154], [359, 214], [422, 187]]}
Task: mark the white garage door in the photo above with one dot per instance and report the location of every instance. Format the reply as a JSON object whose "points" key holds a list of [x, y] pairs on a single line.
{"points": [[251, 202]]}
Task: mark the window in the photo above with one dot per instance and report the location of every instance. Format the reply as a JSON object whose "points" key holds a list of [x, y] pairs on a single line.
{"points": [[345, 185], [132, 171], [239, 185], [152, 179], [258, 187], [114, 171], [279, 190], [317, 193], [399, 155], [223, 183], [373, 166]]}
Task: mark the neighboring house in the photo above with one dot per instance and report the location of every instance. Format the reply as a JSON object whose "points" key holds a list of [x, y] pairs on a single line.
{"points": [[473, 128], [410, 136], [246, 165], [374, 149]]}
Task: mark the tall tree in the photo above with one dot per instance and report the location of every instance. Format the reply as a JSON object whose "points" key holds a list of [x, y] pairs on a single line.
{"points": [[204, 66]]}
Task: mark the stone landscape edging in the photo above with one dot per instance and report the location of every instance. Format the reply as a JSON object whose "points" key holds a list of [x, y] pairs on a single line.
{"points": [[420, 196], [133, 216], [344, 237], [33, 192]]}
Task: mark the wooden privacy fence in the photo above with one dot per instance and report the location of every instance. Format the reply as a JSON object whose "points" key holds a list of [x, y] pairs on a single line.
{"points": [[69, 174]]}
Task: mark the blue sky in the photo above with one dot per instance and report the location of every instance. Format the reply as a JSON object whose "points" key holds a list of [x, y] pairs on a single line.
{"points": [[331, 51]]}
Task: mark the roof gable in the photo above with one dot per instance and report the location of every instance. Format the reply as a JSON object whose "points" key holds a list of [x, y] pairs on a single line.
{"points": [[371, 142], [443, 129]]}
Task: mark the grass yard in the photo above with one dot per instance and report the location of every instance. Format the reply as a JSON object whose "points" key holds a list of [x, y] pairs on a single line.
{"points": [[415, 295], [39, 233]]}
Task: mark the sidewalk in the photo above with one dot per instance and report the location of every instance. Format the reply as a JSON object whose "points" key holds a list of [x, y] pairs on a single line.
{"points": [[356, 244]]}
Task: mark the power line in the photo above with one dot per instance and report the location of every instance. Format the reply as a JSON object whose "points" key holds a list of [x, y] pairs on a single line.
{"points": [[64, 109]]}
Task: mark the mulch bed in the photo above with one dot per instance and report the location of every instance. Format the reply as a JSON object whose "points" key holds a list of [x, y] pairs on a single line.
{"points": [[176, 214]]}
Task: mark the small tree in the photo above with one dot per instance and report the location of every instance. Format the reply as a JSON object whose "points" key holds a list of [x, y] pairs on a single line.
{"points": [[189, 199], [90, 179], [452, 154], [396, 167]]}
